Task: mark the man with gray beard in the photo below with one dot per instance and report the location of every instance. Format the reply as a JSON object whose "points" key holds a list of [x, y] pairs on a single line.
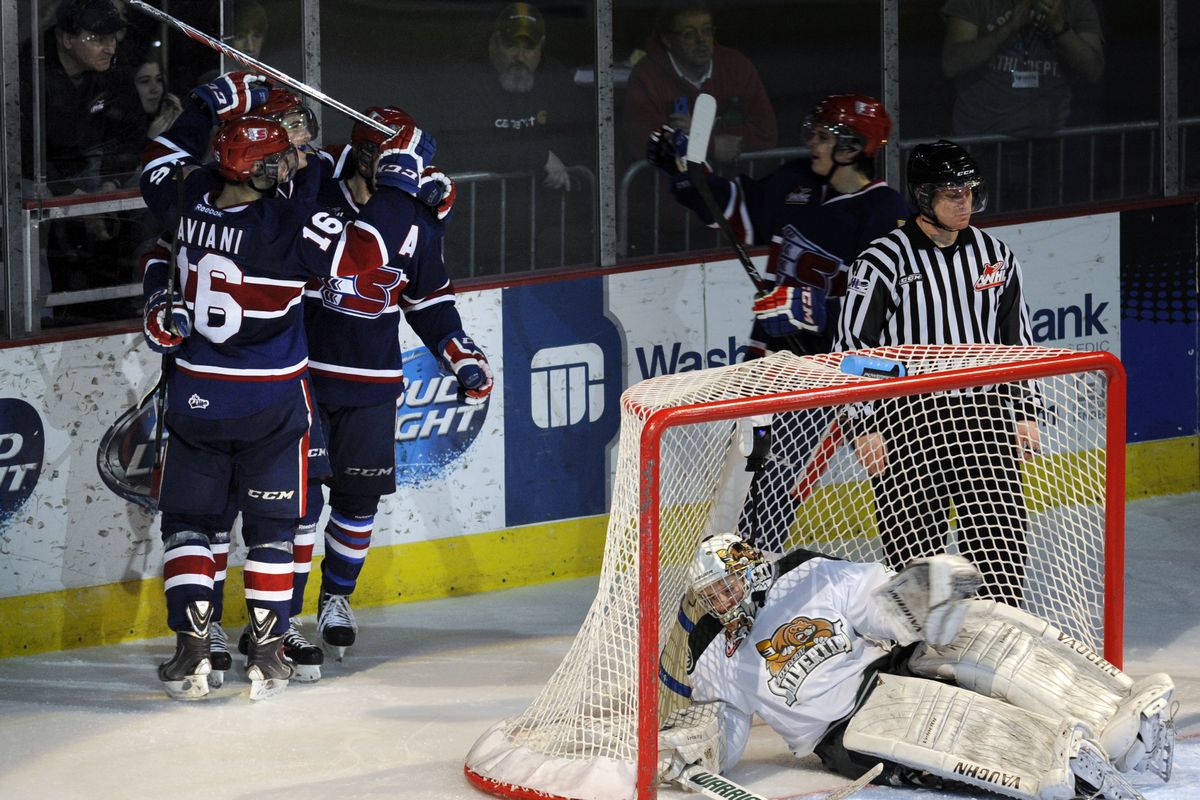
{"points": [[518, 113]]}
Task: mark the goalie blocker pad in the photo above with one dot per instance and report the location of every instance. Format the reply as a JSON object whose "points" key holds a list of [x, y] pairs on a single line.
{"points": [[961, 736]]}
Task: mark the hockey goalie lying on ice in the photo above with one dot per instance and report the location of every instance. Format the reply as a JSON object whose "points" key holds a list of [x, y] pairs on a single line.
{"points": [[859, 665]]}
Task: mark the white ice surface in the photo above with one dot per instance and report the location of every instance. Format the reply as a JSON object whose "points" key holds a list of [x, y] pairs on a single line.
{"points": [[395, 719]]}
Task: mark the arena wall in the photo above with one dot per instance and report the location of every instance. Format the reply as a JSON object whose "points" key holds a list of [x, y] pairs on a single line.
{"points": [[515, 492]]}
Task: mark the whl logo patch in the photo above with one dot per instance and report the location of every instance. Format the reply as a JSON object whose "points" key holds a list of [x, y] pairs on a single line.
{"points": [[22, 451], [993, 275]]}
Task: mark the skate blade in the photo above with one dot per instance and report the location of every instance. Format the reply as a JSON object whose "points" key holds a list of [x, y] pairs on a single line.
{"points": [[266, 687], [216, 678], [307, 673], [192, 687]]}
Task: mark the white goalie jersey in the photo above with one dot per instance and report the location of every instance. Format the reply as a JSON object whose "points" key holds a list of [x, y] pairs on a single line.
{"points": [[803, 664]]}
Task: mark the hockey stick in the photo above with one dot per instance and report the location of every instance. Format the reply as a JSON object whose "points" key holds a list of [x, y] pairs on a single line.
{"points": [[255, 64], [704, 114], [721, 788]]}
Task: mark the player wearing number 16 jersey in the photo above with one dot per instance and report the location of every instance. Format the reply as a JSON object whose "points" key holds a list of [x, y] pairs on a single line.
{"points": [[357, 365], [238, 409]]}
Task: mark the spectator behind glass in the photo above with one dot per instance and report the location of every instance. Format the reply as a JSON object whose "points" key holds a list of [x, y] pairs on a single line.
{"points": [[91, 132], [160, 106], [249, 28], [517, 112], [1012, 62], [682, 60], [89, 105]]}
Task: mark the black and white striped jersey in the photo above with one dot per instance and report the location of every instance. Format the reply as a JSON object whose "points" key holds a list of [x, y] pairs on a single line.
{"points": [[904, 289]]}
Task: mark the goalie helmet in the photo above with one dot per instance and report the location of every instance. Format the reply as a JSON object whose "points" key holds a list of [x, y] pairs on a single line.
{"points": [[857, 120], [287, 109], [725, 575], [941, 166], [366, 140], [251, 148]]}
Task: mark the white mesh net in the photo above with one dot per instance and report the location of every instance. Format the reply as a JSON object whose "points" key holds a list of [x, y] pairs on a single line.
{"points": [[954, 475]]}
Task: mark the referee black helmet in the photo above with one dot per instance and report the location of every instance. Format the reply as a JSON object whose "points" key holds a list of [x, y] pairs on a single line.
{"points": [[943, 165]]}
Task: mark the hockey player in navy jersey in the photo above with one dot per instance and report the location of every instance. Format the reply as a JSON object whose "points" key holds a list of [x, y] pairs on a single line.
{"points": [[817, 214], [237, 405], [860, 665], [357, 365]]}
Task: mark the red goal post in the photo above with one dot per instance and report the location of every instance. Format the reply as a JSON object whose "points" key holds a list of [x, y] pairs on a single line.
{"points": [[592, 731]]}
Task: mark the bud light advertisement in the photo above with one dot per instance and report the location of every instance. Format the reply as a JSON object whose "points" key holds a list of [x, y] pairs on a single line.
{"points": [[22, 450], [432, 427]]}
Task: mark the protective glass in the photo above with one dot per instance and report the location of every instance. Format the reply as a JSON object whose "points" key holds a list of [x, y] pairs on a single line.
{"points": [[102, 39], [301, 125]]}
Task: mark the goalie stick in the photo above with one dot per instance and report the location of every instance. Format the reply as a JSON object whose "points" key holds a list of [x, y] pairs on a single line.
{"points": [[249, 61], [721, 788]]}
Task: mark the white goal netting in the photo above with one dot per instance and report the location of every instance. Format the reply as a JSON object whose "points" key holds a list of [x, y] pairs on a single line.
{"points": [[999, 453]]}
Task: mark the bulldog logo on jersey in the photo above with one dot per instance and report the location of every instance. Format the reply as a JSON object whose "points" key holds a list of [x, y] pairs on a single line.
{"points": [[795, 649], [993, 275]]}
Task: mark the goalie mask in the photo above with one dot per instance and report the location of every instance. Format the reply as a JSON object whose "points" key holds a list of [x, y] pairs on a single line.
{"points": [[730, 579]]}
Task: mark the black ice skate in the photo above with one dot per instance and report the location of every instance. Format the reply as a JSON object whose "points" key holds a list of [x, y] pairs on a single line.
{"points": [[267, 667], [185, 675], [335, 622], [219, 655], [306, 656]]}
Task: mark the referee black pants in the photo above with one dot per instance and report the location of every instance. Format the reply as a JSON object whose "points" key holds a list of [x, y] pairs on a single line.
{"points": [[954, 452]]}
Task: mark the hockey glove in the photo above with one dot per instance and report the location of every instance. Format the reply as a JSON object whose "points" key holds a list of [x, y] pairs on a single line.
{"points": [[469, 365], [787, 309], [667, 150], [231, 95], [437, 191], [402, 159], [161, 337]]}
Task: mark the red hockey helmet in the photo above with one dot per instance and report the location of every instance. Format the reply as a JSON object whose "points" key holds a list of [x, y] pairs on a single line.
{"points": [[250, 147], [288, 110], [366, 140], [856, 119]]}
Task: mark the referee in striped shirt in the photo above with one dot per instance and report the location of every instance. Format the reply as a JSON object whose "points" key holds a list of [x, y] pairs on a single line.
{"points": [[938, 280]]}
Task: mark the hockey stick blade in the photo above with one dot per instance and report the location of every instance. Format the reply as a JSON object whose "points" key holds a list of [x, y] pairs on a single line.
{"points": [[852, 788], [709, 784], [704, 116], [249, 61]]}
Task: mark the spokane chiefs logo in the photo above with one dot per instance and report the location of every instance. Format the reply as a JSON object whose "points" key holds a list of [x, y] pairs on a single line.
{"points": [[22, 450], [432, 427]]}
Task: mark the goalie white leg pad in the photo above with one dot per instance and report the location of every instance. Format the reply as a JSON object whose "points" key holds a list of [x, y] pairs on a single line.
{"points": [[965, 737], [1141, 735], [1011, 655]]}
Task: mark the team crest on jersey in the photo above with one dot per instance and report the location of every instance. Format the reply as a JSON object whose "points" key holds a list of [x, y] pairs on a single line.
{"points": [[796, 649], [993, 275]]}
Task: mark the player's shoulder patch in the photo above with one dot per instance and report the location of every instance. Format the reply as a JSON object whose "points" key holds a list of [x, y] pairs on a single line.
{"points": [[858, 285]]}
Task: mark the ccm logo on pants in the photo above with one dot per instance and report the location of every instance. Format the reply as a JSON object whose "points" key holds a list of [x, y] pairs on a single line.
{"points": [[259, 494]]}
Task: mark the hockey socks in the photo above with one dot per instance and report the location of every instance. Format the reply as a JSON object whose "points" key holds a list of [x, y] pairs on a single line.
{"points": [[188, 571], [268, 576], [347, 540], [302, 551]]}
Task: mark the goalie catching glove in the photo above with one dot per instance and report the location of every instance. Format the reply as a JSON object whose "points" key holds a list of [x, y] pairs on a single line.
{"points": [[468, 363], [161, 337], [925, 599], [402, 160], [787, 309], [231, 95]]}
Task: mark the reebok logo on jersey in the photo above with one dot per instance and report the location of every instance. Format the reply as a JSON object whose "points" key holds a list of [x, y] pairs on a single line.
{"points": [[993, 275], [197, 402], [796, 649]]}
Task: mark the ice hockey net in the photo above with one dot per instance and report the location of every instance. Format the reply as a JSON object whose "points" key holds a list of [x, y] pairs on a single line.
{"points": [[681, 475]]}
